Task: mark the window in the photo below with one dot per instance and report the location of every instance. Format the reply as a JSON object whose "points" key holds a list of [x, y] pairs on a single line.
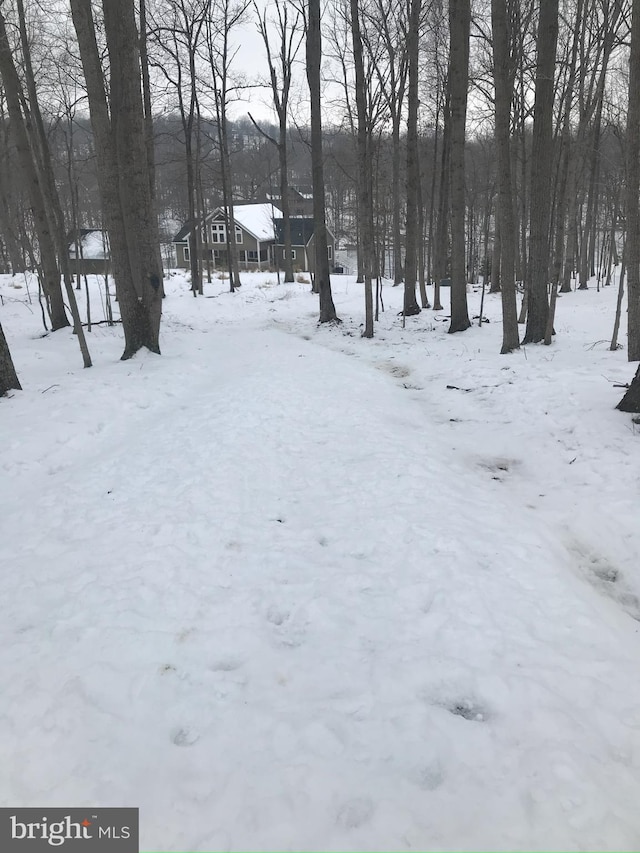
{"points": [[243, 257], [218, 232], [252, 256], [330, 252], [186, 252], [293, 254]]}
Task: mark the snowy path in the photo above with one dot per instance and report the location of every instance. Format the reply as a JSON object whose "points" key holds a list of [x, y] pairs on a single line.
{"points": [[281, 602]]}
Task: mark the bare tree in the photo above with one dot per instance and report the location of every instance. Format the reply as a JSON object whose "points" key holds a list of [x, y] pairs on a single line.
{"points": [[365, 200], [228, 13], [410, 303], [43, 163], [503, 72], [123, 170], [44, 229], [322, 280], [541, 161], [177, 31], [391, 31], [632, 242], [459, 24], [280, 78]]}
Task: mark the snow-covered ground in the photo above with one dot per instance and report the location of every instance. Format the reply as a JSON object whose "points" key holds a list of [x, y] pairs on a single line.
{"points": [[284, 588]]}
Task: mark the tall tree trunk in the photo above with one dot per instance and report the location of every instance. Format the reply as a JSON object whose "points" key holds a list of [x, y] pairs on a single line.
{"points": [[459, 24], [123, 176], [365, 201], [541, 160], [410, 303], [631, 400], [322, 281], [8, 375], [287, 51], [496, 254], [422, 236], [562, 194], [503, 78], [284, 200], [398, 272], [590, 218], [442, 226], [632, 242]]}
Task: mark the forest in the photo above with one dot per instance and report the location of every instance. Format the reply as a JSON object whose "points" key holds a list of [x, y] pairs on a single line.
{"points": [[444, 143], [329, 540]]}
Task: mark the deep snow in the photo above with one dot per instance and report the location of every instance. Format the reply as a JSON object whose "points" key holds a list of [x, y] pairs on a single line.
{"points": [[283, 588]]}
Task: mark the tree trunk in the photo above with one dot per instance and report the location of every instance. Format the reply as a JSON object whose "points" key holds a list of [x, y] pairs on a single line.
{"points": [[410, 303], [562, 194], [365, 201], [8, 375], [632, 242], [322, 280], [422, 282], [123, 176], [442, 228], [284, 201], [541, 160], [507, 241], [496, 254], [398, 272], [631, 400], [459, 24]]}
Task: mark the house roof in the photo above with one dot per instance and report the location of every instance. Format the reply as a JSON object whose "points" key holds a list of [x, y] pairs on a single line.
{"points": [[302, 229], [255, 219], [294, 192], [94, 244], [184, 232]]}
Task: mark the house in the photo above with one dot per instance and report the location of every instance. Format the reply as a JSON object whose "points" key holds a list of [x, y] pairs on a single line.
{"points": [[302, 243], [254, 236], [89, 252]]}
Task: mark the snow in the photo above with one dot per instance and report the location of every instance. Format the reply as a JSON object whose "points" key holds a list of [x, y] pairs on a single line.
{"points": [[257, 219], [95, 246], [286, 588]]}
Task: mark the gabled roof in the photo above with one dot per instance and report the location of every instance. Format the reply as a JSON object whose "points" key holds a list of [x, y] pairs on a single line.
{"points": [[257, 219], [184, 232], [302, 229]]}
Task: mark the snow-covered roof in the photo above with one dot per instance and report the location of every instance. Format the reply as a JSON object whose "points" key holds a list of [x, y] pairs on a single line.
{"points": [[257, 219], [94, 245]]}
